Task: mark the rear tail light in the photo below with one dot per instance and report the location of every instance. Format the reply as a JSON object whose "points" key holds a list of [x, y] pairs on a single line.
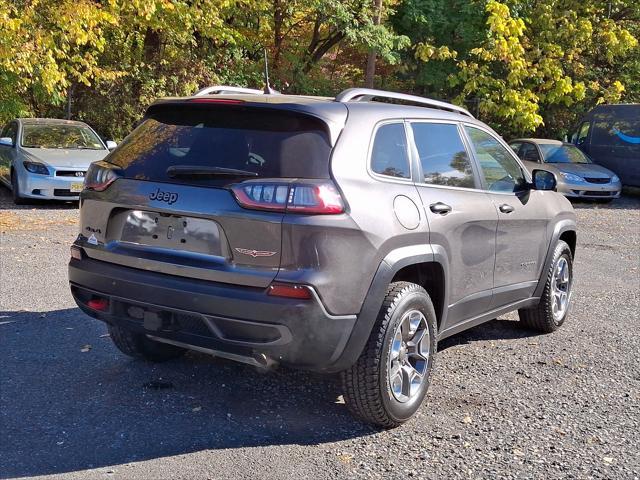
{"points": [[320, 197], [227, 101], [100, 175], [99, 304], [289, 290], [76, 252]]}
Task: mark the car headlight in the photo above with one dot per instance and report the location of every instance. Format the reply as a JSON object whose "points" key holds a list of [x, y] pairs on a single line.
{"points": [[572, 177], [615, 179], [36, 167]]}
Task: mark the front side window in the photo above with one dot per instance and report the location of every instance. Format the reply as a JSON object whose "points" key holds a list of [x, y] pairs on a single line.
{"points": [[583, 133], [389, 156], [10, 131], [60, 136], [500, 170], [529, 152], [443, 156]]}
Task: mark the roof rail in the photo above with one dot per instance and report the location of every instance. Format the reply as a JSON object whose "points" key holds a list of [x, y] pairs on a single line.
{"points": [[368, 94], [226, 90]]}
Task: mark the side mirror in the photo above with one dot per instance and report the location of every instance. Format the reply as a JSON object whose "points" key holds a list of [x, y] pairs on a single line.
{"points": [[6, 141], [544, 180], [111, 144]]}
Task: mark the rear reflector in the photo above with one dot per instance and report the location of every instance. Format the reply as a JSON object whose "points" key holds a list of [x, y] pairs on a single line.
{"points": [[76, 252], [320, 198], [100, 304], [289, 291]]}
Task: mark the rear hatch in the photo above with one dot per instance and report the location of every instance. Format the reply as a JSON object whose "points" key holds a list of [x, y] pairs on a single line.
{"points": [[200, 190]]}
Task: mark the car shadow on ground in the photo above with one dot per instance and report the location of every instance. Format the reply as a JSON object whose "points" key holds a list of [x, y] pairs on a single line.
{"points": [[70, 401]]}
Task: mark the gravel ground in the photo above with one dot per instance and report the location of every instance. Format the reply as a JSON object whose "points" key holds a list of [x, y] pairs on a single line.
{"points": [[504, 403]]}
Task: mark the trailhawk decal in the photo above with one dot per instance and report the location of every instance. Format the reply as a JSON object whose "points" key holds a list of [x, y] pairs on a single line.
{"points": [[255, 253]]}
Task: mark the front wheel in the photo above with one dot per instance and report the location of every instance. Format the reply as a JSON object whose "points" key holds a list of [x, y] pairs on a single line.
{"points": [[553, 308], [388, 383]]}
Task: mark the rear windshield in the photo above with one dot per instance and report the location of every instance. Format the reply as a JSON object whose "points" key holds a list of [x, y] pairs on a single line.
{"points": [[264, 144]]}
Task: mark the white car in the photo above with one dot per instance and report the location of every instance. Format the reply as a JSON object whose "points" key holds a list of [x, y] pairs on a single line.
{"points": [[43, 158]]}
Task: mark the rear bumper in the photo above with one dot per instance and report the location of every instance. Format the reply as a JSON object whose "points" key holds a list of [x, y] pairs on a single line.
{"points": [[242, 323]]}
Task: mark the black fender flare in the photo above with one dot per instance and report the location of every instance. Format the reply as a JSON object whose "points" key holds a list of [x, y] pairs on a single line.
{"points": [[392, 263], [565, 225]]}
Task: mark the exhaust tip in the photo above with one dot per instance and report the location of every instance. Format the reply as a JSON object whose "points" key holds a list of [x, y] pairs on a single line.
{"points": [[264, 362]]}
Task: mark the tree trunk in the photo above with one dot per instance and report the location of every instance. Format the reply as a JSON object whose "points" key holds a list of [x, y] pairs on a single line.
{"points": [[370, 71]]}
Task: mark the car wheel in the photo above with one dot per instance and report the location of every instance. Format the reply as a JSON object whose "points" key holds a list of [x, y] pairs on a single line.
{"points": [[388, 383], [138, 345], [553, 308], [18, 199]]}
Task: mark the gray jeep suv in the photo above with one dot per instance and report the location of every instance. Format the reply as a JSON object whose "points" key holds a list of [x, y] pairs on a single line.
{"points": [[341, 235]]}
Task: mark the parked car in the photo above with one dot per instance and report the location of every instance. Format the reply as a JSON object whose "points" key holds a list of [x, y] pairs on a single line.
{"points": [[335, 235], [577, 176], [44, 158], [610, 135]]}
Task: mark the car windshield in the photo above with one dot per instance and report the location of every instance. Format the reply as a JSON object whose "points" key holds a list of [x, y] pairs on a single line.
{"points": [[562, 154], [60, 136]]}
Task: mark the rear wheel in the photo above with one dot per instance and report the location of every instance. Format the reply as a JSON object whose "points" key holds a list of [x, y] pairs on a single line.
{"points": [[18, 199], [138, 345], [553, 309], [388, 383]]}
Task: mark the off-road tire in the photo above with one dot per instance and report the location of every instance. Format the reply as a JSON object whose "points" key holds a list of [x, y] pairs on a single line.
{"points": [[365, 385], [137, 345], [540, 316], [18, 199]]}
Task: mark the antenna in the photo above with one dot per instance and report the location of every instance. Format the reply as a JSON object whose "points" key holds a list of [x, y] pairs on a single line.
{"points": [[267, 88]]}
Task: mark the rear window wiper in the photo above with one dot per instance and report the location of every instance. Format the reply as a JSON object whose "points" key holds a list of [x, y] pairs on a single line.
{"points": [[204, 171]]}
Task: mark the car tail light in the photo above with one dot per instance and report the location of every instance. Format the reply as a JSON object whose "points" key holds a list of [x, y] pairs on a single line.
{"points": [[289, 290], [320, 197], [99, 304], [100, 175], [76, 252]]}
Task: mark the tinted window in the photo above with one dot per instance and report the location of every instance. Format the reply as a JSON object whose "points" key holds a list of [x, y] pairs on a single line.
{"points": [[583, 133], [515, 146], [529, 152], [266, 143], [500, 170], [563, 154], [389, 155], [443, 157]]}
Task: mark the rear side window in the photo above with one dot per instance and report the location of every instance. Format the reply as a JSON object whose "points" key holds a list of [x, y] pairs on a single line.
{"points": [[262, 144], [389, 156], [443, 157]]}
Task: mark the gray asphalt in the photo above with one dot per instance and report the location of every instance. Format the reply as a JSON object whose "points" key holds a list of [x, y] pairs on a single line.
{"points": [[504, 402]]}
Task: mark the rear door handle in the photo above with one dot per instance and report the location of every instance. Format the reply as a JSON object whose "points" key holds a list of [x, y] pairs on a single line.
{"points": [[505, 208], [440, 208]]}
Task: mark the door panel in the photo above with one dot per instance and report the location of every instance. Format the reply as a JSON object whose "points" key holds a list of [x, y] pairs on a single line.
{"points": [[462, 220], [522, 218], [467, 234], [521, 245]]}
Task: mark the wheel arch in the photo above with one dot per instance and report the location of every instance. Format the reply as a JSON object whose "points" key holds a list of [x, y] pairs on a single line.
{"points": [[566, 231], [425, 263]]}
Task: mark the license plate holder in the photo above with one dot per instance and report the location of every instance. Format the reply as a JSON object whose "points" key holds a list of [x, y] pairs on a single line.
{"points": [[76, 187]]}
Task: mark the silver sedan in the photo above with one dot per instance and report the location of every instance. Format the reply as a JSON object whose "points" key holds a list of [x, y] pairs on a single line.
{"points": [[576, 174], [47, 158]]}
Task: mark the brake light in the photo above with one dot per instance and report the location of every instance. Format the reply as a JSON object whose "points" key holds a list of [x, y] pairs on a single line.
{"points": [[287, 290], [100, 175], [228, 101], [320, 198]]}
